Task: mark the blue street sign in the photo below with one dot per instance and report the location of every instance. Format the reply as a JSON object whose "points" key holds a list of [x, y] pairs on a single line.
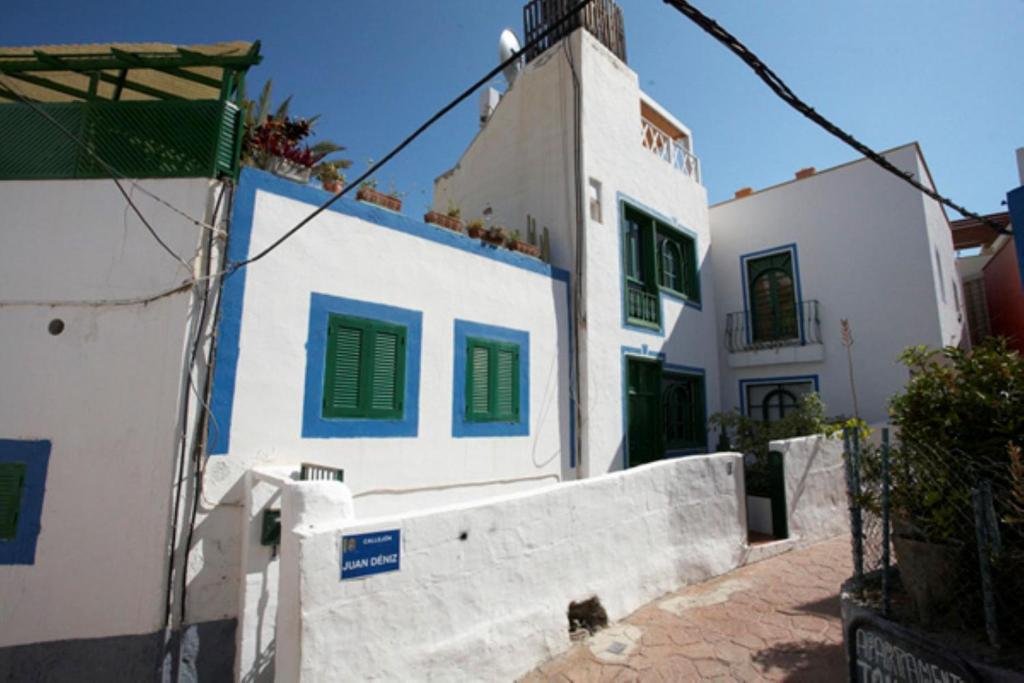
{"points": [[366, 554]]}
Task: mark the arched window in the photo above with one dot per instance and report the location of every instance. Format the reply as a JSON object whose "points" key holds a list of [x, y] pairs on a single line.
{"points": [[773, 305], [777, 404], [682, 403]]}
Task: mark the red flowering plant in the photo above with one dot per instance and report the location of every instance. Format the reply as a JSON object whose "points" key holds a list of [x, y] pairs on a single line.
{"points": [[269, 137]]}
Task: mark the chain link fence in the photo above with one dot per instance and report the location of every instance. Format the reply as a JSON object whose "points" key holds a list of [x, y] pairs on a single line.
{"points": [[938, 540]]}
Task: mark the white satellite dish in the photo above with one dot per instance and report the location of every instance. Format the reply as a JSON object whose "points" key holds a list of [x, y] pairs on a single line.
{"points": [[508, 45]]}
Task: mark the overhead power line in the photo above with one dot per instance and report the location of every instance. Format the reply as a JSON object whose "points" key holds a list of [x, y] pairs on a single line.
{"points": [[415, 134], [779, 87]]}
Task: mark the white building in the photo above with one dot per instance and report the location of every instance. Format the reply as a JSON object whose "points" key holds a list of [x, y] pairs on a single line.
{"points": [[423, 366], [848, 243]]}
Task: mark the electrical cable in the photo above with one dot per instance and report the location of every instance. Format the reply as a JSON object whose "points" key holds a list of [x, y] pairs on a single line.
{"points": [[779, 87], [415, 134], [116, 176]]}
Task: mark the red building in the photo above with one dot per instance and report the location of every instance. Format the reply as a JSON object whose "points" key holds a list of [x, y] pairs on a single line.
{"points": [[993, 296]]}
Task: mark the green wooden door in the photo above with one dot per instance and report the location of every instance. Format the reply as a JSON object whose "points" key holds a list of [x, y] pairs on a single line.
{"points": [[643, 390]]}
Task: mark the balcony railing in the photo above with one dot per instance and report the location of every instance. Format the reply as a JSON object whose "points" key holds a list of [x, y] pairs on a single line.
{"points": [[140, 139], [642, 306], [800, 329], [668, 150]]}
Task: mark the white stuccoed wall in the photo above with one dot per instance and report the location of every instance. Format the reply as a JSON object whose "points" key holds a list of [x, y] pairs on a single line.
{"points": [[105, 392], [522, 162], [344, 253], [866, 245], [493, 606], [614, 156]]}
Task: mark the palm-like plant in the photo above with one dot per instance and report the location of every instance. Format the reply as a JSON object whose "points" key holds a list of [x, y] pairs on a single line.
{"points": [[279, 135]]}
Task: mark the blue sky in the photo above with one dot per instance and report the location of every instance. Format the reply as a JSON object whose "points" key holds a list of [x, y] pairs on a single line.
{"points": [[946, 73]]}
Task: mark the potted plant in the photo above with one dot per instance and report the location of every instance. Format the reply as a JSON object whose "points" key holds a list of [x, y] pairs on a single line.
{"points": [[517, 244], [276, 142], [330, 178], [476, 228], [368, 192], [449, 220], [496, 235]]}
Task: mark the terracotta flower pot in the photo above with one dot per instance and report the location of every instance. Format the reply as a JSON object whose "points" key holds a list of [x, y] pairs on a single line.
{"points": [[368, 194], [476, 231], [526, 248], [443, 220], [334, 187]]}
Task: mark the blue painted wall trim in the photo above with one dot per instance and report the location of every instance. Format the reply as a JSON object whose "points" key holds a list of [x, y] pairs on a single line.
{"points": [[35, 455], [744, 383], [744, 285], [314, 425], [646, 354], [233, 293], [460, 427], [622, 200], [1015, 205]]}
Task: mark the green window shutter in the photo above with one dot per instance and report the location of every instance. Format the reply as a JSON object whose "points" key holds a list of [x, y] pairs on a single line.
{"points": [[478, 381], [506, 400], [385, 369], [773, 304], [492, 381], [364, 369], [12, 483]]}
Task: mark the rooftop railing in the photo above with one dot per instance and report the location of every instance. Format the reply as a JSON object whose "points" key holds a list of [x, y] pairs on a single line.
{"points": [[746, 332], [602, 18], [139, 139], [668, 150]]}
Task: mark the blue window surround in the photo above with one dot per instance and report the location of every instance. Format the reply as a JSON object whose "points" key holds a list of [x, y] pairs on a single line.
{"points": [[744, 285], [460, 426], [314, 424], [36, 457], [645, 352], [623, 200], [744, 383], [233, 293]]}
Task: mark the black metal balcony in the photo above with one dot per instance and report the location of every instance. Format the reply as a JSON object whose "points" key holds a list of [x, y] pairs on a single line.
{"points": [[750, 331]]}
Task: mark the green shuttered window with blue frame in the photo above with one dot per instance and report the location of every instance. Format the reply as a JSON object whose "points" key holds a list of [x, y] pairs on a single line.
{"points": [[492, 381], [364, 370], [12, 483]]}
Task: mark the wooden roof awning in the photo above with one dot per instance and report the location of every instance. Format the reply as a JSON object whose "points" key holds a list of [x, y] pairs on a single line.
{"points": [[125, 71]]}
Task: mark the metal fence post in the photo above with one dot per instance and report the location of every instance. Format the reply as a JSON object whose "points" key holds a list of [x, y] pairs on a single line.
{"points": [[853, 492], [983, 536], [885, 522]]}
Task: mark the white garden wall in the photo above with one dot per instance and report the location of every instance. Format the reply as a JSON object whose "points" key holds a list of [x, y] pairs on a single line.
{"points": [[105, 393], [815, 477], [494, 605], [483, 588]]}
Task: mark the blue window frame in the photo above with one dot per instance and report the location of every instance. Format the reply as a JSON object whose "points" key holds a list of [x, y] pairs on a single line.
{"points": [[34, 456], [514, 422], [314, 423]]}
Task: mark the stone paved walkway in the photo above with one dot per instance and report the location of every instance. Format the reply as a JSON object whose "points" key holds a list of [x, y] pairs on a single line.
{"points": [[776, 620]]}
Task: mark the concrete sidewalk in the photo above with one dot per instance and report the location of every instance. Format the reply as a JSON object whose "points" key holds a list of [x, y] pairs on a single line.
{"points": [[774, 620]]}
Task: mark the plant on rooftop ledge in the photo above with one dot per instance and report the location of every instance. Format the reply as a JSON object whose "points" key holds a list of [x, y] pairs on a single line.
{"points": [[368, 192], [332, 180], [496, 235], [444, 220], [517, 244], [275, 142], [476, 228]]}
